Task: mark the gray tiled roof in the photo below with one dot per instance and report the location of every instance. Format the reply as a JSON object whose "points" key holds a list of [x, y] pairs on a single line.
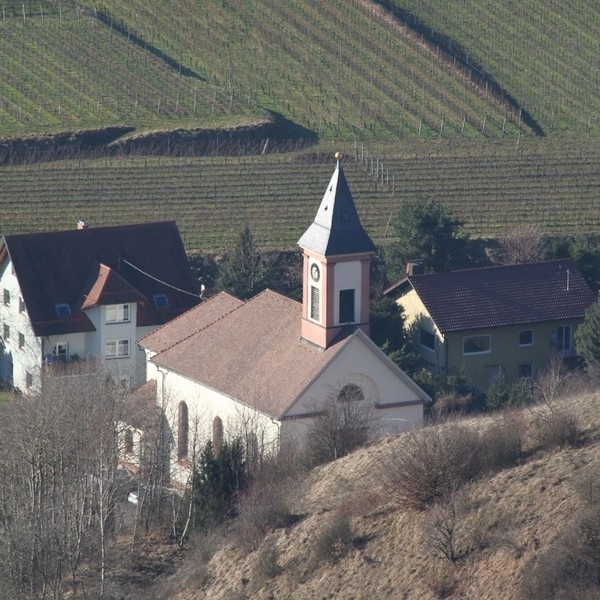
{"points": [[504, 295], [336, 229]]}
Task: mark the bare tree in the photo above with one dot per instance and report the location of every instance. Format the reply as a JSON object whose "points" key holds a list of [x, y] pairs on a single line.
{"points": [[59, 459], [341, 423], [523, 243]]}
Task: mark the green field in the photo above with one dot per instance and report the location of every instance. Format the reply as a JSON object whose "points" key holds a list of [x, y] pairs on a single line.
{"points": [[488, 106], [490, 186]]}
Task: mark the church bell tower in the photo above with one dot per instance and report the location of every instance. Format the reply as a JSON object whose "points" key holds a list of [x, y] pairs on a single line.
{"points": [[337, 259]]}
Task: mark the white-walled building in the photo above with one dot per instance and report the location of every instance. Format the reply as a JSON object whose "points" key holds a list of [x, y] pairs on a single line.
{"points": [[267, 365], [87, 295]]}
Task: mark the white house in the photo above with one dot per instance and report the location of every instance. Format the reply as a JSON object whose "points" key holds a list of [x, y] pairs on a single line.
{"points": [[267, 364], [86, 295]]}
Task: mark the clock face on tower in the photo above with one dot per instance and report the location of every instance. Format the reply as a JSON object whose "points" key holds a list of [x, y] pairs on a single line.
{"points": [[315, 273]]}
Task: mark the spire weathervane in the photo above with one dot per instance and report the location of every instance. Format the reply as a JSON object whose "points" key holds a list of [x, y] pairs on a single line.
{"points": [[338, 156]]}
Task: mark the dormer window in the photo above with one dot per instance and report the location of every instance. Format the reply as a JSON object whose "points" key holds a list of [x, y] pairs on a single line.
{"points": [[160, 301], [117, 313], [63, 310]]}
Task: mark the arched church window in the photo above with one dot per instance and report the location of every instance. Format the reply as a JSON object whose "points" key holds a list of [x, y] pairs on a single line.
{"points": [[350, 393], [128, 441], [217, 435], [182, 430]]}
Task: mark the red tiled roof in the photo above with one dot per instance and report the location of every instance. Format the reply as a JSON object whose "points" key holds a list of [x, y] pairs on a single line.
{"points": [[190, 322], [254, 353], [504, 295], [53, 268]]}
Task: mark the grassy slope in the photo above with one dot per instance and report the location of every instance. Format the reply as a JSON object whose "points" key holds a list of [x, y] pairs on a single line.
{"points": [[510, 519]]}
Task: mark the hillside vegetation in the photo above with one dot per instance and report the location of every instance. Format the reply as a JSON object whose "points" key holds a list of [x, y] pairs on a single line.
{"points": [[524, 531]]}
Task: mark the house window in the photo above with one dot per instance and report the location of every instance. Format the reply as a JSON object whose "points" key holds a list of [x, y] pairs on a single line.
{"points": [[160, 301], [347, 306], [21, 305], [6, 331], [63, 310], [477, 344], [116, 349], [314, 303], [427, 339], [117, 313], [563, 338], [28, 380], [526, 337], [60, 352], [6, 297], [182, 431], [526, 371], [21, 340]]}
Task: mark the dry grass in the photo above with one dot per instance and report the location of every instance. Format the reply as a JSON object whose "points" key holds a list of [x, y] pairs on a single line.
{"points": [[505, 522]]}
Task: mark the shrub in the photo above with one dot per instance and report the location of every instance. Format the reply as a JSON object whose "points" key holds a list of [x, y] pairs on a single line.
{"points": [[570, 568], [334, 539], [502, 443], [341, 425], [452, 403], [431, 463], [555, 428], [267, 562], [264, 507]]}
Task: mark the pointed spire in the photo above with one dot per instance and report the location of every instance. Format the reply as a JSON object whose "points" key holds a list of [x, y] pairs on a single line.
{"points": [[336, 229]]}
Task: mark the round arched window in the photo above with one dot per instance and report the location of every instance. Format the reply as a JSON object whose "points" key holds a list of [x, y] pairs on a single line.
{"points": [[351, 392]]}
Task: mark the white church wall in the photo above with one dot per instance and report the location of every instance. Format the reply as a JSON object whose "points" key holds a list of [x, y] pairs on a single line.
{"points": [[204, 404], [396, 405]]}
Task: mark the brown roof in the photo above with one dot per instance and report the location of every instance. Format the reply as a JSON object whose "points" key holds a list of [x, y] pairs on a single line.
{"points": [[503, 295], [191, 322], [54, 268], [254, 353], [106, 286]]}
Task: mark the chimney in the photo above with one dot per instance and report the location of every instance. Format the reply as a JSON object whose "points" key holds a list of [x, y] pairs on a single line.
{"points": [[82, 225], [415, 267]]}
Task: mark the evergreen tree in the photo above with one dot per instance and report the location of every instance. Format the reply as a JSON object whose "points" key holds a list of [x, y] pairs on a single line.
{"points": [[587, 337], [427, 230], [244, 272], [217, 480]]}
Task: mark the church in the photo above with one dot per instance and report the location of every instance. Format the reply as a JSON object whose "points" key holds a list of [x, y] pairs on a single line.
{"points": [[264, 367]]}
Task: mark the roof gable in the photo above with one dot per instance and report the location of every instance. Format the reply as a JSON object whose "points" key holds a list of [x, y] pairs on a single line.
{"points": [[106, 286], [53, 268], [504, 295], [336, 229]]}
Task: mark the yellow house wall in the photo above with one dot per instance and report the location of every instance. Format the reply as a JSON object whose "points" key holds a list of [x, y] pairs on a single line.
{"points": [[506, 352]]}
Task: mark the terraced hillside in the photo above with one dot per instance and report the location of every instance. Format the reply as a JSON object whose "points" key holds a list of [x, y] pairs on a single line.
{"points": [[489, 186], [543, 52], [63, 69], [339, 69]]}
